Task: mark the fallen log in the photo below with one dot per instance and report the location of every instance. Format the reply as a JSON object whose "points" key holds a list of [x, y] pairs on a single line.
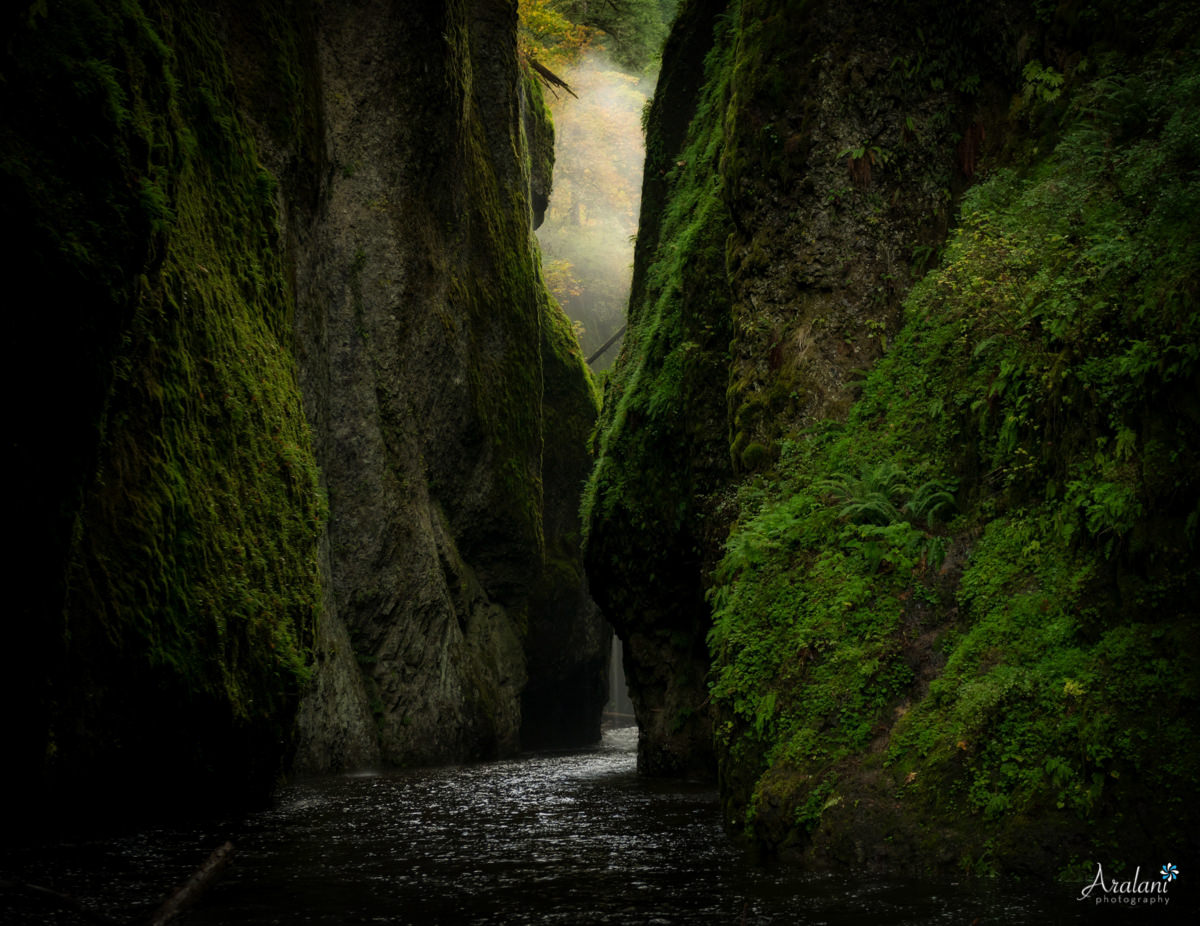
{"points": [[189, 892], [548, 76], [606, 345]]}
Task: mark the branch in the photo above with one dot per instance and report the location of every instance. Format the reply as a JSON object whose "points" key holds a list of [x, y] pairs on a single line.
{"points": [[607, 344], [549, 78], [189, 892]]}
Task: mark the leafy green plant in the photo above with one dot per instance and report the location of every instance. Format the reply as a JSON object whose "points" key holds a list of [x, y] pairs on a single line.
{"points": [[1041, 83], [1045, 362], [882, 494]]}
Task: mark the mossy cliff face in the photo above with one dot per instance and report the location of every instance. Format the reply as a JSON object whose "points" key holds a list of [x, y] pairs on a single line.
{"points": [[952, 623], [431, 363], [171, 512], [652, 505], [794, 165], [567, 658], [270, 236]]}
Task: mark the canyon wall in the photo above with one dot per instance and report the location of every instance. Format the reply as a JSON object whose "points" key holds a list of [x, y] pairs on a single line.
{"points": [[297, 483], [895, 503]]}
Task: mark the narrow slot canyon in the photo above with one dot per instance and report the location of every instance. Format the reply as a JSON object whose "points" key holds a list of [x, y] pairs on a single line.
{"points": [[640, 461]]}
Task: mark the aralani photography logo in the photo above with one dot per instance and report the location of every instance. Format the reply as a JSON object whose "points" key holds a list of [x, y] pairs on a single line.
{"points": [[1132, 892]]}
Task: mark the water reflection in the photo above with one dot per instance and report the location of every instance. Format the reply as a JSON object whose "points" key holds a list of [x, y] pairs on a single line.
{"points": [[570, 837]]}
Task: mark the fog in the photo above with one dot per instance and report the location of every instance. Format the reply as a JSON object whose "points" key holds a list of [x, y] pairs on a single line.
{"points": [[587, 237]]}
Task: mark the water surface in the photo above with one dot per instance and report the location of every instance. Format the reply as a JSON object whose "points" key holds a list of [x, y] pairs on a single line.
{"points": [[563, 837]]}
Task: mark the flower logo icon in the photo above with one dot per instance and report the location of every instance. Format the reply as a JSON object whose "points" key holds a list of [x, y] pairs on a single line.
{"points": [[1169, 872]]}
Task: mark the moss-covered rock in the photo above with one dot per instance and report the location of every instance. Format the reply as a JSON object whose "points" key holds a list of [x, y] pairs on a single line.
{"points": [[958, 513], [793, 164], [661, 442], [246, 219], [450, 412], [957, 629], [568, 642], [173, 608]]}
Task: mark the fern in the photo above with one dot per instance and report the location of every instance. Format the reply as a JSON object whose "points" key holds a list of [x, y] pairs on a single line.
{"points": [[929, 499], [882, 494]]}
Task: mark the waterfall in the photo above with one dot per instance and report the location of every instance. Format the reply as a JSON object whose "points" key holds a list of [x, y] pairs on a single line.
{"points": [[619, 710]]}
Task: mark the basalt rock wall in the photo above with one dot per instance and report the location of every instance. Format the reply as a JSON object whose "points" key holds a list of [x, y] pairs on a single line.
{"points": [[426, 344], [299, 481], [895, 505]]}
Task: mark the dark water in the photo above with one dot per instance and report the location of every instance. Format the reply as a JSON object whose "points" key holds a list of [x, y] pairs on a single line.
{"points": [[572, 837]]}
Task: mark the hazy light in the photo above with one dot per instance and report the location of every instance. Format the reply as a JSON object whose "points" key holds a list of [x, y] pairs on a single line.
{"points": [[587, 238]]}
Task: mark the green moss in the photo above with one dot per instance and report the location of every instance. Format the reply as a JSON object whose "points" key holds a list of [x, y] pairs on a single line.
{"points": [[571, 399], [506, 386], [192, 585], [669, 367], [1029, 666], [539, 133], [755, 456], [661, 442]]}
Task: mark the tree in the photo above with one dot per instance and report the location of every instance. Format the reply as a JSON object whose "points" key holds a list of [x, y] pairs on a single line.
{"points": [[548, 35], [636, 28]]}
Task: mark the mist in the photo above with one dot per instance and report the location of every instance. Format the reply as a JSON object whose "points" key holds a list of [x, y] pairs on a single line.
{"points": [[587, 237]]}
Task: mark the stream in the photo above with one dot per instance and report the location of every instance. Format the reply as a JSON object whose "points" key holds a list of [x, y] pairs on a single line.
{"points": [[559, 837]]}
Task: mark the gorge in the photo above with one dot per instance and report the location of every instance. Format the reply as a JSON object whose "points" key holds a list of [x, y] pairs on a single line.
{"points": [[891, 496]]}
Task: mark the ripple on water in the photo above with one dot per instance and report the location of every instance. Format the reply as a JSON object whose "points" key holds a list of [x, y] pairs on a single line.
{"points": [[558, 837]]}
